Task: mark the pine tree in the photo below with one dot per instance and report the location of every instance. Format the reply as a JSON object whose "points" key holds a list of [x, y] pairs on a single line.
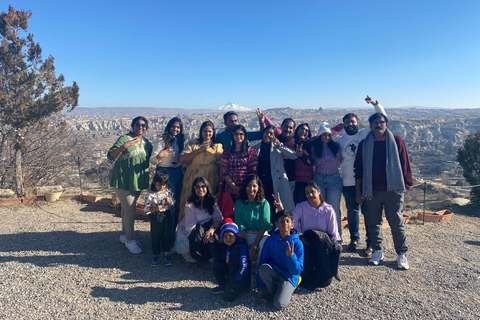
{"points": [[30, 92], [469, 158]]}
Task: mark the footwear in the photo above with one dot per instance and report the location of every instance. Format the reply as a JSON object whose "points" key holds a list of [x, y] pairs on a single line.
{"points": [[123, 238], [377, 256], [168, 260], [368, 251], [188, 257], [133, 246], [402, 262], [218, 290], [155, 261], [352, 246], [267, 298]]}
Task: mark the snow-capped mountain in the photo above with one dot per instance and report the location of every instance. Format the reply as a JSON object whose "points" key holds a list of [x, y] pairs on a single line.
{"points": [[233, 106]]}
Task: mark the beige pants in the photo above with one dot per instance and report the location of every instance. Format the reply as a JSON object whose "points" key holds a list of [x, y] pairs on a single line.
{"points": [[128, 200]]}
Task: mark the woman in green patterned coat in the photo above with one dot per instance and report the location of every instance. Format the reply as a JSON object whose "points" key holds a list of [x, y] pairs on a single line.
{"points": [[130, 176]]}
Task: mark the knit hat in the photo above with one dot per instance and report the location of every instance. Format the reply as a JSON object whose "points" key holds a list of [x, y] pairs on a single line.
{"points": [[230, 226], [324, 127]]}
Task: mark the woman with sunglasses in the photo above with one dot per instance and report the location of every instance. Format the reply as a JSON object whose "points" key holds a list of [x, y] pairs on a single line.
{"points": [[200, 209], [130, 175]]}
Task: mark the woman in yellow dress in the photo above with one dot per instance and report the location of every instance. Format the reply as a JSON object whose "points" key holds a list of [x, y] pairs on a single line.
{"points": [[203, 159]]}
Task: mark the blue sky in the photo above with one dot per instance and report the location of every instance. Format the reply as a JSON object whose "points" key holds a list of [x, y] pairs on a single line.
{"points": [[299, 54]]}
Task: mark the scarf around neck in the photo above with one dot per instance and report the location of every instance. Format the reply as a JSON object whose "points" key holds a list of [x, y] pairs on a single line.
{"points": [[394, 171]]}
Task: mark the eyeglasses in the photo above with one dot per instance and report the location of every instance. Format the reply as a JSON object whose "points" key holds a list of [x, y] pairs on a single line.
{"points": [[200, 187], [143, 125], [376, 123], [304, 129]]}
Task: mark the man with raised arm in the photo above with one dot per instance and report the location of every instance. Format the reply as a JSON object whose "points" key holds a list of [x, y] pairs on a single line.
{"points": [[349, 145], [230, 119], [382, 175]]}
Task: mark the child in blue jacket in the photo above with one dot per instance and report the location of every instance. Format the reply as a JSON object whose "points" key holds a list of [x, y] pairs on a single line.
{"points": [[231, 265], [281, 263]]}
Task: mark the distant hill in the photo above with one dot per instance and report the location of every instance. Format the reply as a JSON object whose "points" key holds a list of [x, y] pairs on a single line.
{"points": [[132, 112]]}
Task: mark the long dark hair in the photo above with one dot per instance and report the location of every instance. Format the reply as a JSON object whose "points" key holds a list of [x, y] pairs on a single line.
{"points": [[332, 145], [244, 145], [295, 134], [168, 138], [314, 185], [208, 200], [160, 176], [243, 189], [207, 123]]}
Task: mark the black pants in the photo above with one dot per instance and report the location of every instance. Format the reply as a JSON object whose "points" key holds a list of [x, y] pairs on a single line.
{"points": [[220, 271], [161, 231]]}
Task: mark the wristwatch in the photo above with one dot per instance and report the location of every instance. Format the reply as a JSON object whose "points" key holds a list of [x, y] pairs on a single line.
{"points": [[255, 247]]}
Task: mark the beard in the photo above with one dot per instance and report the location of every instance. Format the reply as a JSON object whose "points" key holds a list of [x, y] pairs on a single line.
{"points": [[351, 132]]}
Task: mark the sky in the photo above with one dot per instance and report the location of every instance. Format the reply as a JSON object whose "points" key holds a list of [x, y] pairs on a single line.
{"points": [[263, 54]]}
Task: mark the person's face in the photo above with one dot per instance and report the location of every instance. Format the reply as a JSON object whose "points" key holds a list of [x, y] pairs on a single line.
{"points": [[229, 238], [351, 125], [252, 189], [379, 126], [303, 132], [288, 128], [200, 189], [239, 136], [159, 186], [312, 194], [175, 129], [268, 135], [207, 133], [284, 225], [139, 127], [326, 137], [231, 122]]}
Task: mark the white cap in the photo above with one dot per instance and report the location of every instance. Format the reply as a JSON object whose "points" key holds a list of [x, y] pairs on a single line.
{"points": [[324, 127]]}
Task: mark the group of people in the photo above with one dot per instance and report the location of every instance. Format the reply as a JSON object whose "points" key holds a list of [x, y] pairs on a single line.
{"points": [[286, 192]]}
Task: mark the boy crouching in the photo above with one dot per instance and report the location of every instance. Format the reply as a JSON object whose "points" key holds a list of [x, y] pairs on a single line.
{"points": [[281, 263]]}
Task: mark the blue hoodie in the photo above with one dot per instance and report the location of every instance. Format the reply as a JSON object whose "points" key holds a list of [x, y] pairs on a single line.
{"points": [[274, 254]]}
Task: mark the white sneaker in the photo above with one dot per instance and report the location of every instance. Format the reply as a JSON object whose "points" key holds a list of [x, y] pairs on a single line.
{"points": [[133, 246], [402, 262], [123, 238], [377, 256]]}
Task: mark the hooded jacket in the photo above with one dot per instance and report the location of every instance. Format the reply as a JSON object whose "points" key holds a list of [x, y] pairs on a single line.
{"points": [[274, 254]]}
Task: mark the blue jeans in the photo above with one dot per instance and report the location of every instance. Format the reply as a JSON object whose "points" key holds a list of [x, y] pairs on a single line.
{"points": [[331, 188], [353, 214], [175, 184]]}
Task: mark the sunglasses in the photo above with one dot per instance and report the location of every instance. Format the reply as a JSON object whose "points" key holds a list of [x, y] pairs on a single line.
{"points": [[143, 125]]}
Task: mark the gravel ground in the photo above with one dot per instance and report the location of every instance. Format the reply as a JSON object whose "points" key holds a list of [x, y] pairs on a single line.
{"points": [[63, 261]]}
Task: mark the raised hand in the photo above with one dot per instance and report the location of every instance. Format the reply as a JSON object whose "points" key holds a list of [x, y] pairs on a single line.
{"points": [[277, 202], [299, 150], [260, 115], [130, 143], [276, 142], [370, 100], [290, 249]]}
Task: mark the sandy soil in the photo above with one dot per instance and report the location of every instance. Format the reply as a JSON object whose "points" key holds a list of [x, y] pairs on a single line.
{"points": [[63, 261]]}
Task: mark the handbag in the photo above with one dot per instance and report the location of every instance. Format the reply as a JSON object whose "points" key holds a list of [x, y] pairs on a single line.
{"points": [[225, 202]]}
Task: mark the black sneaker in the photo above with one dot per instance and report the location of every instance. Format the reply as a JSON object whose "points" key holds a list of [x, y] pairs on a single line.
{"points": [[352, 246], [155, 261], [168, 260], [218, 290]]}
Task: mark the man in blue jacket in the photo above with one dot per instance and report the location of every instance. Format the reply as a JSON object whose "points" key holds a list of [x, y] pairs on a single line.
{"points": [[281, 263]]}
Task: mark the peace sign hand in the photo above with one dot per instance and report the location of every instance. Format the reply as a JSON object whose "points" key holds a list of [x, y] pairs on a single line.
{"points": [[299, 150], [260, 115], [290, 249], [277, 202]]}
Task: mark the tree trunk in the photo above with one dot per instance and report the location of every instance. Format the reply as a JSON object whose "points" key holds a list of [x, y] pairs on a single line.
{"points": [[18, 171]]}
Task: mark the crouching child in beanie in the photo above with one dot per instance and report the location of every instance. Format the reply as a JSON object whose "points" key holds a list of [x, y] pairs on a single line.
{"points": [[281, 263], [231, 265]]}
